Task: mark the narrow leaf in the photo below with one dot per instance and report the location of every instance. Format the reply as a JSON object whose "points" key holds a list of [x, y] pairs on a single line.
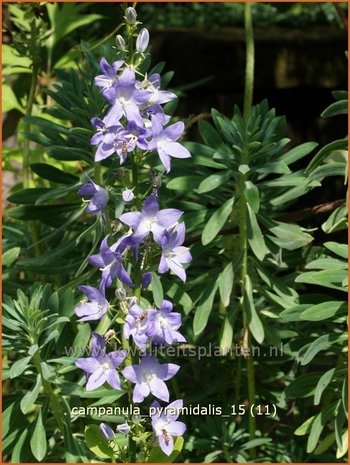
{"points": [[216, 222]]}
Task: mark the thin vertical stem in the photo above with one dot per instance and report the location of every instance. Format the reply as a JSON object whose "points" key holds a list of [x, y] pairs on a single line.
{"points": [[249, 70], [248, 100]]}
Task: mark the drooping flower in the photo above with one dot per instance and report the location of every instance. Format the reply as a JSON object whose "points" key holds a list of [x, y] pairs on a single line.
{"points": [[165, 426], [150, 219], [136, 324], [164, 141], [149, 377], [109, 260], [173, 253], [99, 197], [101, 367], [95, 308], [107, 431], [163, 325]]}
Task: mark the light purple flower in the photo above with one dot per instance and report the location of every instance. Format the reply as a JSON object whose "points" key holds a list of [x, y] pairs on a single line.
{"points": [[163, 325], [150, 219], [149, 377], [142, 40], [123, 428], [165, 426], [109, 77], [156, 95], [173, 253], [136, 325], [126, 99], [164, 141], [128, 195], [107, 431], [101, 367], [106, 137], [99, 197], [109, 260], [95, 308]]}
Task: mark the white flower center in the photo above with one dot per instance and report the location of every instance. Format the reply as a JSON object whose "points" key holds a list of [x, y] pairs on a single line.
{"points": [[162, 144], [105, 366], [162, 321], [148, 222], [148, 376]]}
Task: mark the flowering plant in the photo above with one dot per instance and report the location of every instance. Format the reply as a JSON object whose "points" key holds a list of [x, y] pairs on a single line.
{"points": [[148, 239]]}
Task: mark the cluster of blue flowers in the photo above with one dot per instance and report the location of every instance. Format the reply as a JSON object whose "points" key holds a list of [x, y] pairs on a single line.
{"points": [[135, 122]]}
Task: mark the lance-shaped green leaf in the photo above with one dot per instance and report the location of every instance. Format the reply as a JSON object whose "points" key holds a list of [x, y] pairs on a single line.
{"points": [[255, 237], [213, 181], [251, 194], [51, 173], [10, 256], [298, 152], [216, 222], [157, 289], [30, 396], [38, 443], [19, 366], [254, 321], [324, 381], [226, 283], [341, 144], [204, 308]]}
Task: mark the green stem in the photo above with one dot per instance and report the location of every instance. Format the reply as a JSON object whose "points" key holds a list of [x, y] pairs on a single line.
{"points": [[243, 273], [137, 286], [53, 399], [249, 70], [26, 147], [248, 100]]}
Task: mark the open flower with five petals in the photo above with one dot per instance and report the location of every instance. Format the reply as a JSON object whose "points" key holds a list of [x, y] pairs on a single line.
{"points": [[149, 377], [101, 367]]}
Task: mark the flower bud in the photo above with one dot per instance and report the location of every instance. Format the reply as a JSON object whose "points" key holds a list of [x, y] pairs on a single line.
{"points": [[120, 43], [142, 40], [146, 279], [128, 195], [120, 294], [107, 431], [124, 428], [130, 15]]}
